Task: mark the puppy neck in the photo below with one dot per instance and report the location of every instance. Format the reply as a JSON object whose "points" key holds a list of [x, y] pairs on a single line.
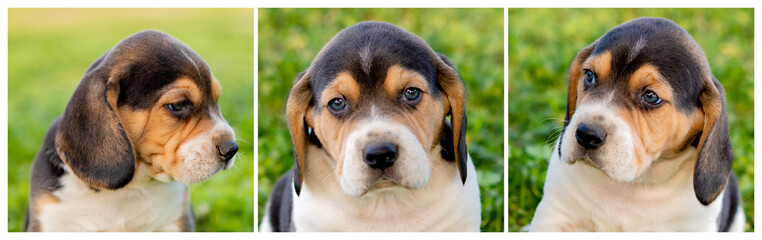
{"points": [[143, 177], [674, 168]]}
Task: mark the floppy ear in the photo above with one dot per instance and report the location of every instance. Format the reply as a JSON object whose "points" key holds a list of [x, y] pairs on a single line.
{"points": [[575, 73], [455, 92], [715, 151], [91, 139], [296, 109]]}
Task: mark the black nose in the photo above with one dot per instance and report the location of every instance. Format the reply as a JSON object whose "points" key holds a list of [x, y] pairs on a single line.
{"points": [[590, 137], [228, 150], [381, 155]]}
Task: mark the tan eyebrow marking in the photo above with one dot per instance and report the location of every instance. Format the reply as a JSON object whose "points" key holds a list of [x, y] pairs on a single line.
{"points": [[600, 64], [343, 85], [397, 78], [649, 75]]}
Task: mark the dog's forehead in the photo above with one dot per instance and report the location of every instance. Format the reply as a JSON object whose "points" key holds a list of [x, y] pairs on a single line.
{"points": [[367, 51], [662, 44], [149, 62]]}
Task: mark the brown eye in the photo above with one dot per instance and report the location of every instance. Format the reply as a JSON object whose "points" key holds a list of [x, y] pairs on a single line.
{"points": [[412, 94]]}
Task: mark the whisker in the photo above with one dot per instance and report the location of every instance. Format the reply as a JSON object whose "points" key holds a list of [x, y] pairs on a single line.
{"points": [[325, 175], [240, 139]]}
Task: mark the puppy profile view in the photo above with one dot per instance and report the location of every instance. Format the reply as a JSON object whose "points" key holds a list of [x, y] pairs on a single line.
{"points": [[142, 124], [646, 143], [378, 124]]}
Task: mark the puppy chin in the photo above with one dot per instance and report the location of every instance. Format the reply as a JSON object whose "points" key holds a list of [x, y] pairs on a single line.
{"points": [[197, 171], [409, 173], [616, 162], [620, 167], [377, 183], [382, 185], [626, 171], [360, 187], [368, 180], [198, 161]]}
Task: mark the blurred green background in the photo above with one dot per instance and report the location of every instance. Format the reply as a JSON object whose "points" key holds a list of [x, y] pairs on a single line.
{"points": [[472, 38], [49, 51], [541, 45]]}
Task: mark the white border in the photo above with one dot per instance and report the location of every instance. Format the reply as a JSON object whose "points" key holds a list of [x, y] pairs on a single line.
{"points": [[345, 3]]}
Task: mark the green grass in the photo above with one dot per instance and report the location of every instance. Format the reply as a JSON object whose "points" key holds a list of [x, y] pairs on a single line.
{"points": [[472, 38], [542, 43], [49, 51]]}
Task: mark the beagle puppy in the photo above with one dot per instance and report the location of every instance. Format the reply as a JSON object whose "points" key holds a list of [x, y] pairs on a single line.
{"points": [[144, 114], [645, 144], [374, 150]]}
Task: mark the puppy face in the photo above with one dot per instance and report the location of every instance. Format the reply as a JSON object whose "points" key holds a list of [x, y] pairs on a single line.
{"points": [[160, 108], [179, 141], [621, 129], [381, 136], [644, 92], [377, 98]]}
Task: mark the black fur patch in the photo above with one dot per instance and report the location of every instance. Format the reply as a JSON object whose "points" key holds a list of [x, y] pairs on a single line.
{"points": [[658, 42], [150, 61], [731, 201], [367, 50], [281, 204]]}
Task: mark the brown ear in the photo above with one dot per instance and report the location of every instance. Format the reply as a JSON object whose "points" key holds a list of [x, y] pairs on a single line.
{"points": [[575, 73], [715, 151], [91, 139], [455, 92], [299, 100]]}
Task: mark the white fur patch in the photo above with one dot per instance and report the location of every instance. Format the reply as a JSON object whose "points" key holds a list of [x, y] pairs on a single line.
{"points": [[616, 156], [199, 156], [636, 49], [144, 206], [444, 204], [365, 59], [581, 198], [411, 169]]}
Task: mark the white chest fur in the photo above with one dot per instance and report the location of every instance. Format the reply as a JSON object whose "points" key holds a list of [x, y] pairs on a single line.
{"points": [[444, 204], [152, 206], [581, 198]]}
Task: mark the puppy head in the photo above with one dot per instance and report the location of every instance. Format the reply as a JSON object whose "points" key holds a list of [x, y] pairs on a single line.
{"points": [[642, 92], [375, 99], [149, 99]]}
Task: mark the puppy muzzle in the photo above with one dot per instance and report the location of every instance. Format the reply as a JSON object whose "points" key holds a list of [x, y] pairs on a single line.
{"points": [[597, 137], [381, 155], [206, 154]]}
